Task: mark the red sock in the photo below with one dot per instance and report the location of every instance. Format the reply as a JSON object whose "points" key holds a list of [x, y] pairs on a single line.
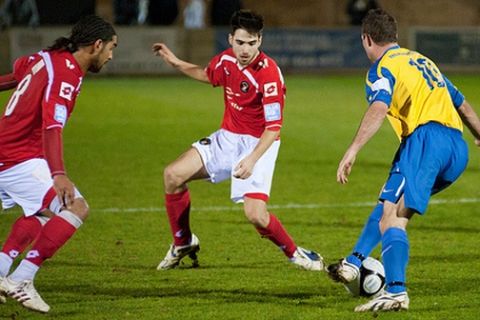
{"points": [[24, 231], [276, 233], [178, 211], [53, 236]]}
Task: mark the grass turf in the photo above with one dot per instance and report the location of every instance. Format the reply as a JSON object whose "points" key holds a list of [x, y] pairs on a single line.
{"points": [[122, 134]]}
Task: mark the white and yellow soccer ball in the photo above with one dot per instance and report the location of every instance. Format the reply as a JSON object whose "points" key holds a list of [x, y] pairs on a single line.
{"points": [[370, 281]]}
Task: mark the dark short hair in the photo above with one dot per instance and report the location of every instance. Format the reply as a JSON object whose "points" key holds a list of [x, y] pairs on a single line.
{"points": [[84, 33], [380, 26], [248, 20]]}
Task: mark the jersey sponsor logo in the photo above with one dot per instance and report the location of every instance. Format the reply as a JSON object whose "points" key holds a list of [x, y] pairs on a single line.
{"points": [[235, 105], [231, 93], [272, 111], [60, 114], [244, 86], [66, 91], [270, 89]]}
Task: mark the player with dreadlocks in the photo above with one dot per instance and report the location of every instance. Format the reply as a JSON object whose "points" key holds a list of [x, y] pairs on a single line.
{"points": [[32, 173]]}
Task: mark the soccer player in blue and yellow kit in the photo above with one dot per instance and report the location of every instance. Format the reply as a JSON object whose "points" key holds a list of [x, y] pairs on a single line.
{"points": [[426, 112]]}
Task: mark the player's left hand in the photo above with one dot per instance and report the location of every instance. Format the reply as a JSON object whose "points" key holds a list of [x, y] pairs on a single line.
{"points": [[345, 166], [244, 168], [65, 190], [477, 142]]}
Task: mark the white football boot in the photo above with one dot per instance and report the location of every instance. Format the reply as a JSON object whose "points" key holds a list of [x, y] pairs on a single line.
{"points": [[307, 259], [386, 302], [343, 271], [176, 253], [3, 291], [25, 293]]}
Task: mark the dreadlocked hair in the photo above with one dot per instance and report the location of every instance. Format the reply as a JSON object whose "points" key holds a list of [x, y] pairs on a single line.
{"points": [[84, 33], [248, 20]]}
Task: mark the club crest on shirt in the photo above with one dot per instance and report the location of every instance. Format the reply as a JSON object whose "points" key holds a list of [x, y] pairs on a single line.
{"points": [[244, 86], [270, 89], [60, 113], [66, 90]]}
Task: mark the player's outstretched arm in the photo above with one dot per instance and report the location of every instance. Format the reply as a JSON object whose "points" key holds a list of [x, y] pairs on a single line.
{"points": [[371, 122], [7, 82], [470, 119], [192, 70]]}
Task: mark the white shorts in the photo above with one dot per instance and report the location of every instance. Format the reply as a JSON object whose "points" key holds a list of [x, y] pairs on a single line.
{"points": [[27, 184], [223, 150]]}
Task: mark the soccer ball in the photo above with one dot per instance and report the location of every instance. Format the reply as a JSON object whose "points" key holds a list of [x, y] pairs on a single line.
{"points": [[370, 281]]}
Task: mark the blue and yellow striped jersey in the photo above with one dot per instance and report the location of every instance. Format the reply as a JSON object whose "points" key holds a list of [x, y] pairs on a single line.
{"points": [[415, 91]]}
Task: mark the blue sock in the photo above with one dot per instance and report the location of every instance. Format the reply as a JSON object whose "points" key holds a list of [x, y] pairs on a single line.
{"points": [[395, 249], [369, 238]]}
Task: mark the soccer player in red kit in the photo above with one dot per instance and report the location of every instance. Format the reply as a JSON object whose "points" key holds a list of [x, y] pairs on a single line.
{"points": [[243, 150], [32, 172]]}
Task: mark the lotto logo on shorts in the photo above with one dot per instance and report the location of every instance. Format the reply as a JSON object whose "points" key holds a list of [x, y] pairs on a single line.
{"points": [[272, 111], [270, 89]]}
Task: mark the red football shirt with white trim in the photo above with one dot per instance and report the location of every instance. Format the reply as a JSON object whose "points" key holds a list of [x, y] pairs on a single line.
{"points": [[49, 83], [254, 95]]}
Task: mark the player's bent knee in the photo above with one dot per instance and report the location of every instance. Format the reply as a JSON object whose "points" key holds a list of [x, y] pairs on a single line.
{"points": [[258, 219], [171, 178], [80, 208], [392, 222]]}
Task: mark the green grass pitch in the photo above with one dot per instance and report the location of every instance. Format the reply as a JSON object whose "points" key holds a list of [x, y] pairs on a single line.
{"points": [[122, 134]]}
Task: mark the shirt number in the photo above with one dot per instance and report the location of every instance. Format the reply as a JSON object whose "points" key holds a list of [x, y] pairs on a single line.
{"points": [[430, 73], [21, 88]]}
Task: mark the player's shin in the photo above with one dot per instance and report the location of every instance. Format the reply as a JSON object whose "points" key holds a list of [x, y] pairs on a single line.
{"points": [[56, 232], [24, 231], [395, 253], [178, 211], [276, 233], [369, 238]]}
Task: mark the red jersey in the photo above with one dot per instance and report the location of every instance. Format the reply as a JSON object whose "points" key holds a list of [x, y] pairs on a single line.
{"points": [[49, 82], [254, 95]]}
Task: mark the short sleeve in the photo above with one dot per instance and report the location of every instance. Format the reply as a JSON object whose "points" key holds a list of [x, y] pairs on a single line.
{"points": [[379, 87], [272, 88], [60, 97], [455, 94], [20, 66], [215, 71]]}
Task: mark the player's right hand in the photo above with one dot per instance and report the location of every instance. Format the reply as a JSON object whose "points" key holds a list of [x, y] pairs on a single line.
{"points": [[345, 166], [65, 190], [161, 50]]}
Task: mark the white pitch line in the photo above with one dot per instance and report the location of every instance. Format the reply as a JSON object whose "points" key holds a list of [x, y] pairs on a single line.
{"points": [[306, 206]]}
